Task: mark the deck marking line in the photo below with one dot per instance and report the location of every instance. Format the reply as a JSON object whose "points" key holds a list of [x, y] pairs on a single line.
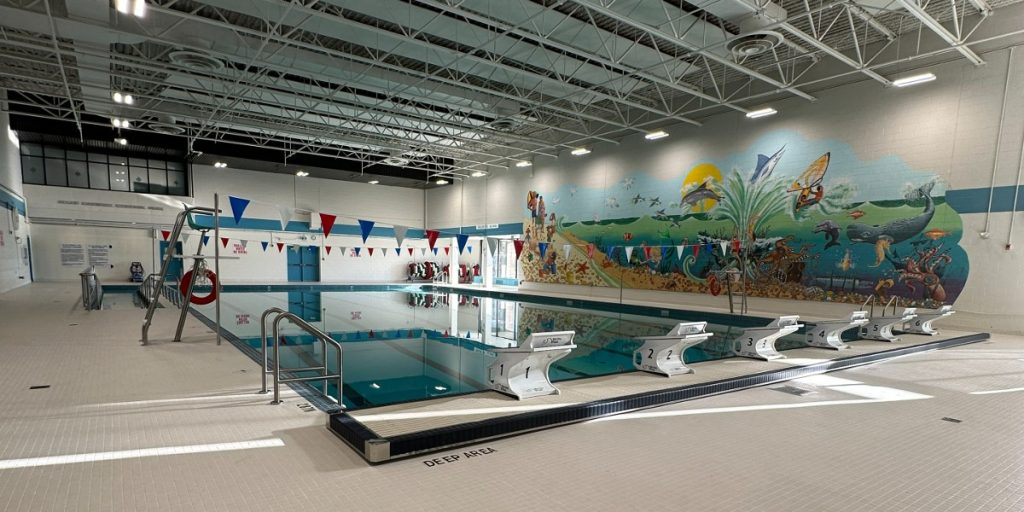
{"points": [[142, 452]]}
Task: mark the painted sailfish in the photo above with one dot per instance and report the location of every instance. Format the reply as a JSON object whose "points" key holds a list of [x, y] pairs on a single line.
{"points": [[766, 164]]}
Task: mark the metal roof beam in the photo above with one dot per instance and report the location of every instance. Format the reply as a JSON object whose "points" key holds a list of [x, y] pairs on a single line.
{"points": [[927, 20]]}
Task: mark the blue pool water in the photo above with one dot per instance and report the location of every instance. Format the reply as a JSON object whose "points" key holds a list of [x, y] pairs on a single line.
{"points": [[402, 346]]}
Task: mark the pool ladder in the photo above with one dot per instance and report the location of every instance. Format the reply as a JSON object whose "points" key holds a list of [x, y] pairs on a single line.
{"points": [[321, 336]]}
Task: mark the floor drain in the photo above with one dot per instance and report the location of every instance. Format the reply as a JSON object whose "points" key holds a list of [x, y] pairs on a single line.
{"points": [[72, 325], [306, 407], [44, 386], [793, 390], [951, 420]]}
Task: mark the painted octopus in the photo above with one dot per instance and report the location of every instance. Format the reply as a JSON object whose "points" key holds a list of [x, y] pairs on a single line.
{"points": [[923, 271]]}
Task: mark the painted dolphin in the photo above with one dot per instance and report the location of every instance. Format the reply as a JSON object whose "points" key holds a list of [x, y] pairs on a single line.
{"points": [[766, 164], [699, 194], [900, 229], [831, 230]]}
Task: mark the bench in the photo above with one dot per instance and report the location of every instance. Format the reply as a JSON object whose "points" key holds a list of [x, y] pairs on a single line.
{"points": [[664, 354], [759, 342], [522, 371], [829, 333]]}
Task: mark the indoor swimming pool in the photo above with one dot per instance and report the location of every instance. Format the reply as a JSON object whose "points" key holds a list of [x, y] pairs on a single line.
{"points": [[409, 344]]}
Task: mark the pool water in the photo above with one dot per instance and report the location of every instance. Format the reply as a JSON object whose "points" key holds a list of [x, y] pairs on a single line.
{"points": [[409, 346]]}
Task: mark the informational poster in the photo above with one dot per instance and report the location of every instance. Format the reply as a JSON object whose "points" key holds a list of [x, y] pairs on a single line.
{"points": [[72, 255], [99, 255]]}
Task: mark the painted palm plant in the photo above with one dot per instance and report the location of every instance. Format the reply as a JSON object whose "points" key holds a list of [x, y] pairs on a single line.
{"points": [[750, 207]]}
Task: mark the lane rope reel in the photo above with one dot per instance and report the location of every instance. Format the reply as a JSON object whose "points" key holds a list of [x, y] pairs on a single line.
{"points": [[206, 299]]}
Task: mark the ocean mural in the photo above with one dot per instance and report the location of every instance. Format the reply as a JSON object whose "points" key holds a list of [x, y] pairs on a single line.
{"points": [[801, 219]]}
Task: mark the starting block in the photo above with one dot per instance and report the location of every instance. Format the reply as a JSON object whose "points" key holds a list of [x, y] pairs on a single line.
{"points": [[880, 327], [664, 354], [829, 333], [923, 323], [759, 342], [522, 372]]}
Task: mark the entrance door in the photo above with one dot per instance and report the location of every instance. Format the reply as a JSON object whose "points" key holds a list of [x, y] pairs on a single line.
{"points": [[174, 269], [303, 264]]}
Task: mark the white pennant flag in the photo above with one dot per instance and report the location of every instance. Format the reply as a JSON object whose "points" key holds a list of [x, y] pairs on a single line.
{"points": [[184, 238], [492, 245], [565, 250], [286, 216], [679, 252], [245, 244], [423, 251], [724, 245], [343, 250], [400, 234], [629, 252]]}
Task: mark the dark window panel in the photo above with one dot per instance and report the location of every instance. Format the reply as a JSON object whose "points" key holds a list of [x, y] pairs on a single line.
{"points": [[56, 172], [78, 174]]}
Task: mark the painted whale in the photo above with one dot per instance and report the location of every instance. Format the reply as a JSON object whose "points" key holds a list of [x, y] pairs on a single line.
{"points": [[900, 229]]}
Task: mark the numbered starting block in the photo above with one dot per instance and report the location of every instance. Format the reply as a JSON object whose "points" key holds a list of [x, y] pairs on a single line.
{"points": [[880, 327], [759, 342], [923, 323], [522, 372], [664, 354], [829, 333]]}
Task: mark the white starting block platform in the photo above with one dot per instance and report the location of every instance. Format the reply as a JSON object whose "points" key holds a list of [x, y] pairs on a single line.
{"points": [[880, 327], [829, 333], [522, 372], [664, 354], [923, 323], [759, 342]]}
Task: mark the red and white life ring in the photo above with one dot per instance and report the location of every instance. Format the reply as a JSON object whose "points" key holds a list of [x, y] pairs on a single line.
{"points": [[206, 299], [713, 285]]}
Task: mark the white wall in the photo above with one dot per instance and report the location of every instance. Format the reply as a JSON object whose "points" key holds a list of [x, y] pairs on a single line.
{"points": [[14, 230]]}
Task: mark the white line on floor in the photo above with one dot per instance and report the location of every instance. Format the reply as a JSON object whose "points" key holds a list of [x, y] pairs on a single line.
{"points": [[134, 454], [995, 391], [247, 395], [463, 412]]}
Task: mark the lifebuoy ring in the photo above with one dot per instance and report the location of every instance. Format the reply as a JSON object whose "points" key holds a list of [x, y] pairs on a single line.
{"points": [[206, 299], [713, 286]]}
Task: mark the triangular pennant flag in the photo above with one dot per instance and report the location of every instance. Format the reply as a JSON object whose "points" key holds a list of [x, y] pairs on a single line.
{"points": [[629, 253], [327, 223], [423, 251], [447, 250], [410, 251], [696, 249], [365, 226], [468, 335], [664, 251], [711, 248], [185, 237], [565, 250], [610, 251], [342, 250], [435, 251], [735, 245], [370, 250], [461, 240], [519, 247], [286, 216], [245, 244], [327, 248], [280, 246], [470, 249], [166, 234], [400, 232], [398, 251], [206, 240], [357, 249], [679, 252], [647, 252], [224, 241], [492, 245], [432, 237], [724, 245], [542, 248], [237, 207], [590, 251], [384, 252], [264, 244]]}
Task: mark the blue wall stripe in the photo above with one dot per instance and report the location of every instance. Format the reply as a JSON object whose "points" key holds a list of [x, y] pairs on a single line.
{"points": [[975, 200], [12, 200]]}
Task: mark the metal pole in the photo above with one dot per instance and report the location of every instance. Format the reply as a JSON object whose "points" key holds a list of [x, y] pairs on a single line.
{"points": [[172, 241], [216, 256], [189, 292], [277, 359]]}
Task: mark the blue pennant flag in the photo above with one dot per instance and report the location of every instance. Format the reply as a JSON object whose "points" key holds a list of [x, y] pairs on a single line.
{"points": [[398, 251], [238, 205], [543, 248], [468, 334], [205, 240], [264, 244], [357, 250], [470, 249], [462, 239], [435, 251], [664, 251], [610, 252], [365, 226]]}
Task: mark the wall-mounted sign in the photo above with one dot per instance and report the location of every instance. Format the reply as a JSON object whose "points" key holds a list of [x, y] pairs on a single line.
{"points": [[72, 255]]}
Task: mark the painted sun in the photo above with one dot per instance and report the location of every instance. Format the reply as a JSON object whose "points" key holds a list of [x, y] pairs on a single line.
{"points": [[697, 175]]}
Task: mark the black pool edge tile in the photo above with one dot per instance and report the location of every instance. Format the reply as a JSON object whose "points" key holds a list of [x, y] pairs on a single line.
{"points": [[419, 443]]}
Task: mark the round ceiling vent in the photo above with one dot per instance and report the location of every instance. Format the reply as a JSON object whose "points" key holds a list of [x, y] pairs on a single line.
{"points": [[166, 129], [196, 60], [395, 161], [754, 43], [505, 124]]}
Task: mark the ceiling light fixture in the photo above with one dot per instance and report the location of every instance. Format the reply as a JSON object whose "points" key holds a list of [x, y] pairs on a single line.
{"points": [[13, 137], [478, 174], [373, 182], [764, 112], [136, 8], [220, 165], [660, 134], [122, 141], [302, 174], [580, 151], [523, 163], [120, 123], [914, 80], [441, 181]]}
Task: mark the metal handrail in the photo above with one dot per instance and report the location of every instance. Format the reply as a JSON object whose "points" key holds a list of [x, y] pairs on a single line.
{"points": [[320, 335], [92, 292], [263, 343]]}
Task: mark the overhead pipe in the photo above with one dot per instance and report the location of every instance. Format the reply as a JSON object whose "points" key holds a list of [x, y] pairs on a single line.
{"points": [[1016, 192], [999, 137]]}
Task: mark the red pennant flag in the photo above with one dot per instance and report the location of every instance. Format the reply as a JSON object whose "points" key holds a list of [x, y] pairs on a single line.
{"points": [[446, 250], [328, 249], [370, 249], [410, 251], [327, 222], [519, 247], [696, 250], [432, 237], [735, 245], [224, 241], [280, 246], [371, 334], [647, 252], [165, 234], [590, 251]]}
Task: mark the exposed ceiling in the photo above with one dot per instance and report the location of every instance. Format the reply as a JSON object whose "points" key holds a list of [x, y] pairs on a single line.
{"points": [[414, 89]]}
